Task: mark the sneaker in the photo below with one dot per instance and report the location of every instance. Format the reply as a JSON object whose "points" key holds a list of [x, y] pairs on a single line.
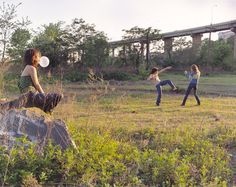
{"points": [[158, 104], [174, 89], [182, 104]]}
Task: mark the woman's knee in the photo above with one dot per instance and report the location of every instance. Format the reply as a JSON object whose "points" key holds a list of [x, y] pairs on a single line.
{"points": [[158, 86]]}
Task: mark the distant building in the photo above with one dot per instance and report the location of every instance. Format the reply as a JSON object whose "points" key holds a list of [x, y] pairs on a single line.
{"points": [[225, 35]]}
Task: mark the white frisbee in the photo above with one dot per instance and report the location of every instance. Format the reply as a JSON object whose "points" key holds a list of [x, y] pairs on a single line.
{"points": [[44, 61]]}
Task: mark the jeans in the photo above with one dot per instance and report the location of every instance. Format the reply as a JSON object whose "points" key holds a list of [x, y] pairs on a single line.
{"points": [[159, 89], [190, 87]]}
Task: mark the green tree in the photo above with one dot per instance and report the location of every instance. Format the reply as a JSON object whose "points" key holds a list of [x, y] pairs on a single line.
{"points": [[88, 43], [135, 51], [221, 55], [95, 50], [49, 41], [76, 35], [8, 24], [18, 42], [182, 54], [181, 43]]}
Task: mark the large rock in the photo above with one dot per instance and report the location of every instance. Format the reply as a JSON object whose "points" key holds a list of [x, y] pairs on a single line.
{"points": [[37, 128]]}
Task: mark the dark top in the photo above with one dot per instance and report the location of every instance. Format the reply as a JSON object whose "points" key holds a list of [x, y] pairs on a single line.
{"points": [[26, 84]]}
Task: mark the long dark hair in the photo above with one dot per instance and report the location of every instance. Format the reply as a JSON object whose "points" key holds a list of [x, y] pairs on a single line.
{"points": [[194, 68], [29, 56], [154, 70]]}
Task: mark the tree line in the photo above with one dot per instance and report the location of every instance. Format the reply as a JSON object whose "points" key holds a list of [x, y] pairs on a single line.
{"points": [[80, 45]]}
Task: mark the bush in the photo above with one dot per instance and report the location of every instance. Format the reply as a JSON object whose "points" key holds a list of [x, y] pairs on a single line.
{"points": [[197, 164], [10, 82], [102, 161], [119, 76], [229, 63], [99, 160], [76, 76]]}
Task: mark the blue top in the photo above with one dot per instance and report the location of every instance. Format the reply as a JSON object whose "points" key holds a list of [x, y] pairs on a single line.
{"points": [[194, 77]]}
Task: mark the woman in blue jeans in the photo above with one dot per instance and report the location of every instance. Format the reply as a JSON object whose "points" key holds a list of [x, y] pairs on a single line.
{"points": [[154, 77], [194, 77]]}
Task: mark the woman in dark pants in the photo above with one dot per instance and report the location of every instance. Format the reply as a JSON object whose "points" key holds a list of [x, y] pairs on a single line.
{"points": [[32, 92], [194, 75], [154, 77]]}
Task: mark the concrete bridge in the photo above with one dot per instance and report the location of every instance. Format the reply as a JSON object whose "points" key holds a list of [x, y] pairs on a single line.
{"points": [[196, 34]]}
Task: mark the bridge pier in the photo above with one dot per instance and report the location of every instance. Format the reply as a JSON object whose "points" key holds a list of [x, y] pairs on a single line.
{"points": [[168, 44], [113, 52], [234, 30], [196, 39], [168, 38], [235, 44]]}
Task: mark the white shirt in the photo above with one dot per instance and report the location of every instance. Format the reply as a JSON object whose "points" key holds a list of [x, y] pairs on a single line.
{"points": [[154, 78]]}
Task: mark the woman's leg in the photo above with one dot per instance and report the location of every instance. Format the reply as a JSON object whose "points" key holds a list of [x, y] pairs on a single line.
{"points": [[159, 93], [45, 102], [169, 82], [196, 96], [186, 94]]}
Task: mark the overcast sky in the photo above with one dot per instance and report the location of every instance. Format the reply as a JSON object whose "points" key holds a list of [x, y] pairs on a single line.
{"points": [[112, 16]]}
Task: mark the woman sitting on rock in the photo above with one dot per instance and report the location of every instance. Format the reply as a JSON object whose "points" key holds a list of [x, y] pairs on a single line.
{"points": [[32, 92], [29, 77]]}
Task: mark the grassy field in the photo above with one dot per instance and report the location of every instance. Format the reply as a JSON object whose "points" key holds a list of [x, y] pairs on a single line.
{"points": [[216, 84], [202, 138], [124, 139]]}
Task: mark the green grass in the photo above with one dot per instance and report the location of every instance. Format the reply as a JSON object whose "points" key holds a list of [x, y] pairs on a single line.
{"points": [[134, 110], [124, 139], [215, 84], [218, 84], [199, 138]]}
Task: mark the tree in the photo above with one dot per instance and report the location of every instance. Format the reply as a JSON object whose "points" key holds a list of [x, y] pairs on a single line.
{"points": [[49, 41], [181, 43], [222, 55], [18, 42], [182, 52], [95, 50], [88, 43], [8, 24], [78, 32], [145, 36], [221, 51]]}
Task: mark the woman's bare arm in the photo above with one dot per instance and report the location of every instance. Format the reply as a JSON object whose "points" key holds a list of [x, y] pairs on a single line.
{"points": [[164, 69]]}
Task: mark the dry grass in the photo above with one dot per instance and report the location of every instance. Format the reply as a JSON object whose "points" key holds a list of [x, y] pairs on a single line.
{"points": [[131, 117], [125, 115], [135, 110]]}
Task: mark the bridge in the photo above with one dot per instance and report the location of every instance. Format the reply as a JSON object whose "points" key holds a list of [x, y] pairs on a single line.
{"points": [[196, 34]]}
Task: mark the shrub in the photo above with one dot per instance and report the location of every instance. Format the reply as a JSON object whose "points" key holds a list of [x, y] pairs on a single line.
{"points": [[119, 76], [76, 76]]}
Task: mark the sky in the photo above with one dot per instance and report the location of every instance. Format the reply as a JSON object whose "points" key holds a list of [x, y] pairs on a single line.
{"points": [[112, 16]]}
